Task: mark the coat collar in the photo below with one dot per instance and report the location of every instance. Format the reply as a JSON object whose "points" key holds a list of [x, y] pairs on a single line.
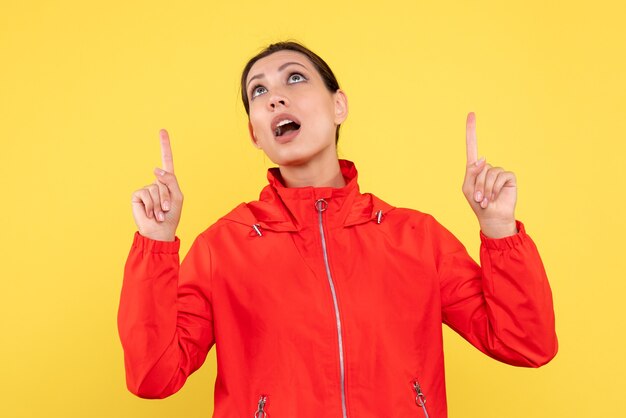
{"points": [[281, 208]]}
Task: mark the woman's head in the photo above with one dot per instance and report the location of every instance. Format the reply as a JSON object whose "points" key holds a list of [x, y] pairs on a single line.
{"points": [[322, 68]]}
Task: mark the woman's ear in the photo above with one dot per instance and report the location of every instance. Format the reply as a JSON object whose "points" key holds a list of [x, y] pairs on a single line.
{"points": [[341, 106], [253, 136]]}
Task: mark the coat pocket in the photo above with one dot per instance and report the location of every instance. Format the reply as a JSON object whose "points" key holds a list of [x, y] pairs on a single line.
{"points": [[420, 398], [261, 410]]}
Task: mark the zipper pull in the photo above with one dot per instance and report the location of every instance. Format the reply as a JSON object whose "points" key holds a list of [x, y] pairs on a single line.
{"points": [[321, 205], [420, 399], [260, 412]]}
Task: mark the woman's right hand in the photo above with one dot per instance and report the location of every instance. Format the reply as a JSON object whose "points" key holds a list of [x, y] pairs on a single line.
{"points": [[157, 207]]}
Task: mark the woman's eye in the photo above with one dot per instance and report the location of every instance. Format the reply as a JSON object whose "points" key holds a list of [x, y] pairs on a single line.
{"points": [[296, 78], [258, 90]]}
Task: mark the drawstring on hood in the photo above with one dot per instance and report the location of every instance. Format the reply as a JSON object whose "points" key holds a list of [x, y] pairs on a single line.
{"points": [[257, 229]]}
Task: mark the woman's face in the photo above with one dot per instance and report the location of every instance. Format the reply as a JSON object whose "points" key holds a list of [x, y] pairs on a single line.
{"points": [[293, 117]]}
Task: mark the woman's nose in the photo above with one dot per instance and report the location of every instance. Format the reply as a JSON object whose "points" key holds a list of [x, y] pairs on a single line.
{"points": [[277, 100]]}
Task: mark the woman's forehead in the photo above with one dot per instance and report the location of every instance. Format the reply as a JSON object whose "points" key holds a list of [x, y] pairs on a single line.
{"points": [[277, 60]]}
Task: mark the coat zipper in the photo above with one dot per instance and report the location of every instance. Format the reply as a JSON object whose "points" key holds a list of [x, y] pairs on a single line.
{"points": [[420, 399], [260, 410], [321, 206]]}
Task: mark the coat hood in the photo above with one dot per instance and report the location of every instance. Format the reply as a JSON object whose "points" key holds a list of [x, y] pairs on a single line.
{"points": [[282, 208]]}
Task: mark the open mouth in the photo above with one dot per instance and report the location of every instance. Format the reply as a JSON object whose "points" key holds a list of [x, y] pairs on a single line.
{"points": [[285, 126]]}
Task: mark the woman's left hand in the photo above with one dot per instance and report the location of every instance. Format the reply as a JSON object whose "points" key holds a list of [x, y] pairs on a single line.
{"points": [[490, 191]]}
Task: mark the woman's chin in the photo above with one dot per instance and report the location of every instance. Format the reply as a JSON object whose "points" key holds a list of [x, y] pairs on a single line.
{"points": [[299, 157]]}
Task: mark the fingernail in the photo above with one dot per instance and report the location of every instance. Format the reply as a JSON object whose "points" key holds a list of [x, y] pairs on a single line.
{"points": [[478, 196], [480, 161], [166, 205], [160, 216], [484, 203], [159, 171]]}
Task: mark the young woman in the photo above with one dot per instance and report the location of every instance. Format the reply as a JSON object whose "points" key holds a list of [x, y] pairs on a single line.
{"points": [[323, 301]]}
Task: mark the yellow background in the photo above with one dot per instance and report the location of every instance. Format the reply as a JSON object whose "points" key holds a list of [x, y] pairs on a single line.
{"points": [[85, 87]]}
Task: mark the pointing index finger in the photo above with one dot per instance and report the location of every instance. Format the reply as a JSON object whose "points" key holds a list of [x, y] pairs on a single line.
{"points": [[470, 138], [166, 151]]}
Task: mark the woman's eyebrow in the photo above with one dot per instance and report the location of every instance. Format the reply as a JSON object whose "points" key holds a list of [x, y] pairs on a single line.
{"points": [[282, 67]]}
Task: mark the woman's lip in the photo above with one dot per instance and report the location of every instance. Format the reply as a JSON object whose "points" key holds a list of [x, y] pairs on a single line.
{"points": [[281, 117], [287, 136]]}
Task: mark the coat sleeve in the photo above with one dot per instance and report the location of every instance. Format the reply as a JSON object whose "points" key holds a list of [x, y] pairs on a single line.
{"points": [[164, 318], [503, 307]]}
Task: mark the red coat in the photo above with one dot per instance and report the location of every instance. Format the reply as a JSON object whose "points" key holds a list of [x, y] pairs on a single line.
{"points": [[327, 302]]}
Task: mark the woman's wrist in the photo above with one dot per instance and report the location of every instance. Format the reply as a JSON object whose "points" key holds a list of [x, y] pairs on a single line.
{"points": [[159, 236], [497, 230]]}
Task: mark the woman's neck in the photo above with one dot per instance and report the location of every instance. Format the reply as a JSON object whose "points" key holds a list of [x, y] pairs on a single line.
{"points": [[314, 173]]}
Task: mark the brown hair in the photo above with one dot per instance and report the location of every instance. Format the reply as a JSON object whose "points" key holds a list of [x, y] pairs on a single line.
{"points": [[320, 65]]}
